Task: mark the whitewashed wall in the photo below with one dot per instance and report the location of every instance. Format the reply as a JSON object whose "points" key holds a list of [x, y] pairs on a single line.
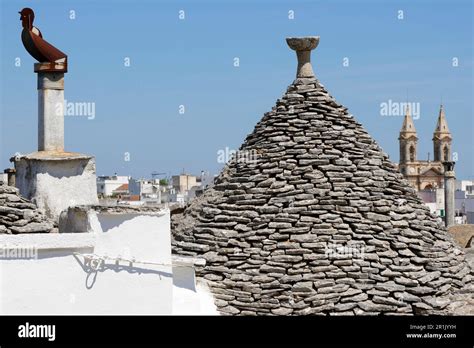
{"points": [[57, 184], [189, 297], [57, 282]]}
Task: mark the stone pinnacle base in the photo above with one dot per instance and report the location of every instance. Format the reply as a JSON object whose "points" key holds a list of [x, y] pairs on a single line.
{"points": [[56, 181]]}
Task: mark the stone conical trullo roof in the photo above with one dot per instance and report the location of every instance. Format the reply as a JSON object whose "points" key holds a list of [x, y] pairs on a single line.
{"points": [[311, 217]]}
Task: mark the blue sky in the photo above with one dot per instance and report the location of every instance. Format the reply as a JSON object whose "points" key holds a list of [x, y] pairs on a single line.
{"points": [[190, 62]]}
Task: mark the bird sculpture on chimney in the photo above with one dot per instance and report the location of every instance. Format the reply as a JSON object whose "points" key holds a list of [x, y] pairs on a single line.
{"points": [[34, 43]]}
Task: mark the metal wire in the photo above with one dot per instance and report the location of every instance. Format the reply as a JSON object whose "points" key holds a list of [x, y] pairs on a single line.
{"points": [[95, 262]]}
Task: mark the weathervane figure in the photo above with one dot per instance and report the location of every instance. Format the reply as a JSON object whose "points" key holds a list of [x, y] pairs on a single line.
{"points": [[34, 43], [44, 175]]}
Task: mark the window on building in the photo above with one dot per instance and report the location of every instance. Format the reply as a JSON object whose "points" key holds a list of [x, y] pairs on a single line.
{"points": [[446, 154], [412, 153]]}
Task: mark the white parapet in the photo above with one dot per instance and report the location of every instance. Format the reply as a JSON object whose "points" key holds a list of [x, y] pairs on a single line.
{"points": [[189, 296], [122, 266], [67, 277]]}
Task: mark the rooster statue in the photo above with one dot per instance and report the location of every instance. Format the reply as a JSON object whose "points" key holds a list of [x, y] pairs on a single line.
{"points": [[34, 43]]}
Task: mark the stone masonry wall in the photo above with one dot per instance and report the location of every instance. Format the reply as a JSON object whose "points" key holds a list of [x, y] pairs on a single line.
{"points": [[19, 215]]}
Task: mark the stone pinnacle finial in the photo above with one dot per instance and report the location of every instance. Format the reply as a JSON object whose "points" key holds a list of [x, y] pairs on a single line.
{"points": [[303, 47]]}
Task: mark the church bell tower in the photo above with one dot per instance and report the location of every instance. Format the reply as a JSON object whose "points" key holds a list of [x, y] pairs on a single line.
{"points": [[442, 139], [408, 141]]}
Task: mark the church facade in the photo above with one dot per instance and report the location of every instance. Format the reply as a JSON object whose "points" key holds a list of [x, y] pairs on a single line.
{"points": [[424, 175]]}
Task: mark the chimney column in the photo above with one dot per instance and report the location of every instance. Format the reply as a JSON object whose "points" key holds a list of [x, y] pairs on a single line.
{"points": [[10, 176], [50, 106], [449, 187]]}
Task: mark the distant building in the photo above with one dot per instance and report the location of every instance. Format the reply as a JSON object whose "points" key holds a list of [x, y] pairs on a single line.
{"points": [[121, 191], [180, 198], [466, 186], [434, 199], [207, 180], [464, 202], [106, 185], [184, 182], [147, 189], [424, 175], [185, 187], [427, 177], [464, 205], [203, 182]]}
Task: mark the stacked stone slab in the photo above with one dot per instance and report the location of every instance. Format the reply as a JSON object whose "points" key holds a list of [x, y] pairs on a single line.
{"points": [[19, 215], [311, 217]]}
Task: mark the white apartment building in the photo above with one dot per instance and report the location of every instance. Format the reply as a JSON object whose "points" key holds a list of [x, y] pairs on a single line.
{"points": [[463, 199], [146, 189], [106, 185], [184, 182], [465, 185]]}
